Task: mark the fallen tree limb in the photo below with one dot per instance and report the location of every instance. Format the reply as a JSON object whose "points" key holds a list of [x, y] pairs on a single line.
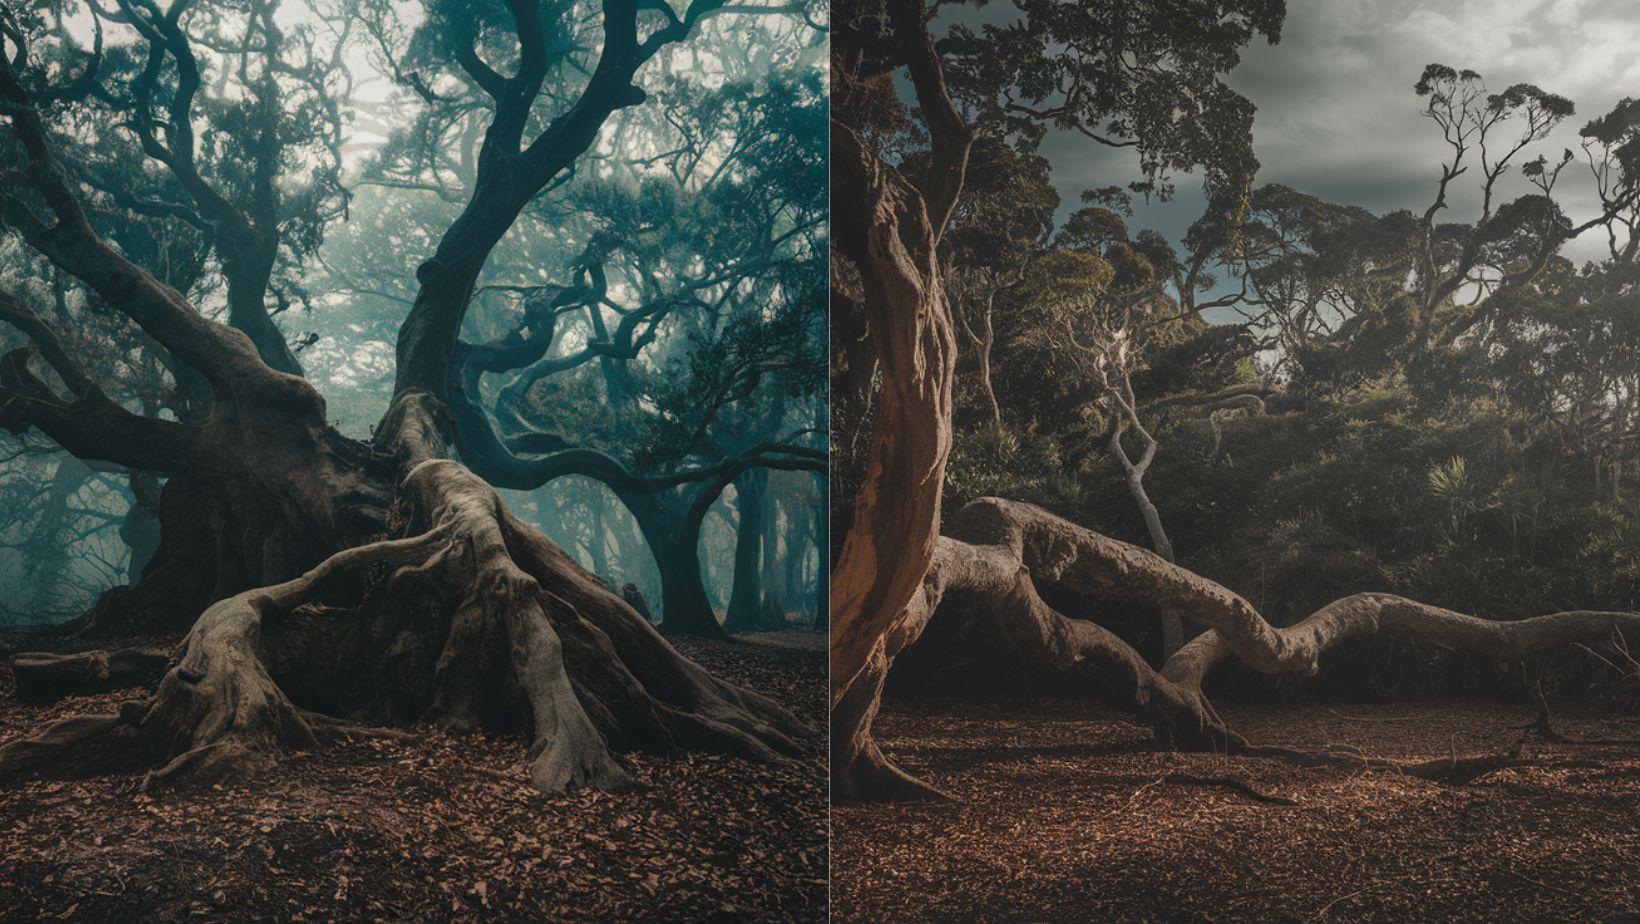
{"points": [[44, 677]]}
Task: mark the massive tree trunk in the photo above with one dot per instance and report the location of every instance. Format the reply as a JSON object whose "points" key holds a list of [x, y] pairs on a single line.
{"points": [[469, 620], [982, 594], [256, 505], [260, 488]]}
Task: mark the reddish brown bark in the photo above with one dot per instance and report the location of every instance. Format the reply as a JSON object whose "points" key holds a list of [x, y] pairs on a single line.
{"points": [[890, 231]]}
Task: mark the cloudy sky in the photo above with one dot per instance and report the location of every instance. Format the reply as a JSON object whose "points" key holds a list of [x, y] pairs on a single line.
{"points": [[1337, 116]]}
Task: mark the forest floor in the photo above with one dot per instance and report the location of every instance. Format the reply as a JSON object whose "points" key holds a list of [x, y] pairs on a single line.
{"points": [[1065, 812], [435, 828]]}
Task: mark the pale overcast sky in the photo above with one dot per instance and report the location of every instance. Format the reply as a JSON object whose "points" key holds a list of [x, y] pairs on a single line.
{"points": [[1337, 116]]}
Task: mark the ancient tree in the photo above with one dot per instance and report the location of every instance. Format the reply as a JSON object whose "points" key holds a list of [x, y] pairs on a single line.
{"points": [[694, 302], [344, 578]]}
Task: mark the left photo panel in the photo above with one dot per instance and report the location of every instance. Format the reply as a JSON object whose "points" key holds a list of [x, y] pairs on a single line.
{"points": [[413, 460]]}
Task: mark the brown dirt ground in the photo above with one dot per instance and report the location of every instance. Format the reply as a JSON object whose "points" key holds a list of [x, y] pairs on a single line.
{"points": [[435, 828], [1065, 816]]}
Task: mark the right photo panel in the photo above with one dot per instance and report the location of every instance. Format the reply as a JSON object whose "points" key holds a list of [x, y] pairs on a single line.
{"points": [[1235, 478]]}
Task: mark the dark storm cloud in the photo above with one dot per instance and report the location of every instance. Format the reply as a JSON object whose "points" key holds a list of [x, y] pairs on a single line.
{"points": [[1337, 116]]}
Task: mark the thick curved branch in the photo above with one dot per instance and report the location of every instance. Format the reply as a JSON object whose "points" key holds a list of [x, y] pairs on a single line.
{"points": [[91, 427], [223, 356], [500, 463], [507, 180], [46, 340]]}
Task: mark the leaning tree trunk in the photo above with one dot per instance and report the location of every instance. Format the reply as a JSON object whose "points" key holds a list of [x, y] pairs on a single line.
{"points": [[890, 230], [470, 620], [982, 594], [891, 541]]}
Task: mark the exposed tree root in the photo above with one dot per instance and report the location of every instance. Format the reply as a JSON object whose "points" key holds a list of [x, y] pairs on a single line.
{"points": [[1543, 725], [44, 676], [476, 622], [1452, 770], [982, 587]]}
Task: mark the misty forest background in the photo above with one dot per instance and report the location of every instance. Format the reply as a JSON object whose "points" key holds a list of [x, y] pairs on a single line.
{"points": [[676, 269]]}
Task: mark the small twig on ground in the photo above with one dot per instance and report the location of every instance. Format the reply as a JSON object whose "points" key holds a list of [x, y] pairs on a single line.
{"points": [[1328, 906], [1137, 792], [1544, 726], [1536, 882], [1185, 779], [1368, 718]]}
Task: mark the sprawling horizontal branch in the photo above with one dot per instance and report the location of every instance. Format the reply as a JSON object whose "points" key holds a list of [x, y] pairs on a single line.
{"points": [[502, 466], [1097, 566], [94, 428], [1366, 615], [983, 588]]}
